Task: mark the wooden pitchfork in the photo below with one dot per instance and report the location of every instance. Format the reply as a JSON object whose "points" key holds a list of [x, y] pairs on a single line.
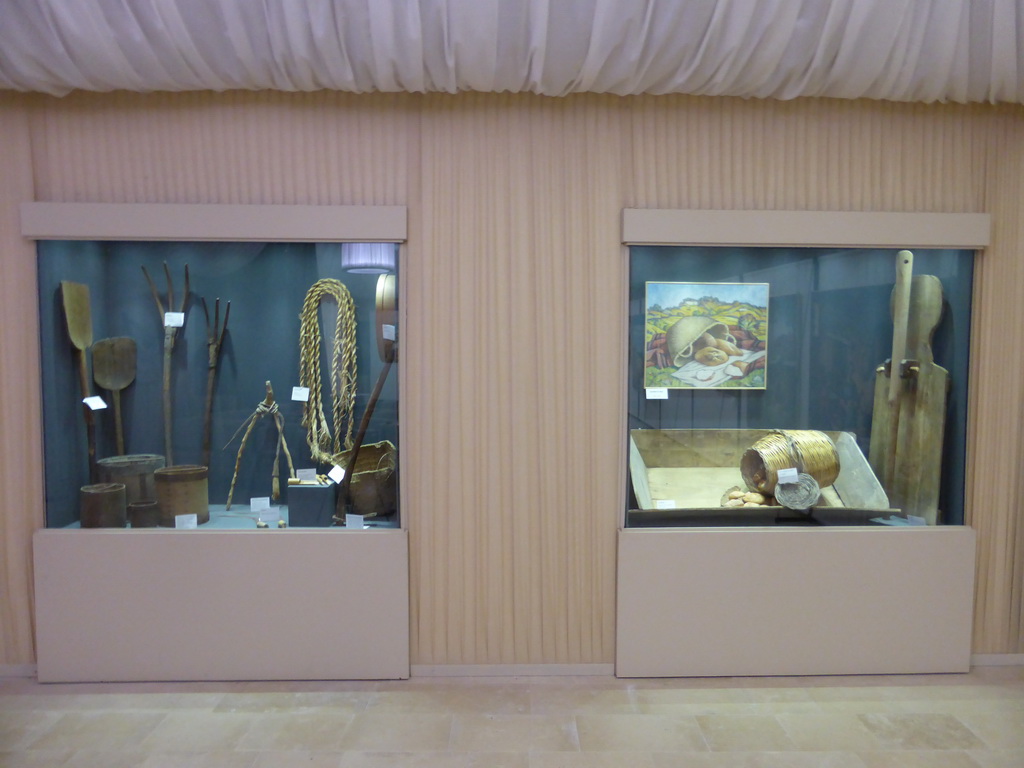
{"points": [[214, 339], [170, 334]]}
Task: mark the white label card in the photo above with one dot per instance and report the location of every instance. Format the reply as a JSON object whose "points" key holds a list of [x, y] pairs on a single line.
{"points": [[916, 520], [306, 475], [174, 319], [789, 475], [259, 503], [186, 521], [665, 504], [354, 521], [337, 474], [301, 394], [657, 393], [388, 332], [95, 403], [270, 514]]}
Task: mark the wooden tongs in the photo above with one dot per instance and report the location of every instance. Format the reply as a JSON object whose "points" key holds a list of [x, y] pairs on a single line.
{"points": [[170, 334]]}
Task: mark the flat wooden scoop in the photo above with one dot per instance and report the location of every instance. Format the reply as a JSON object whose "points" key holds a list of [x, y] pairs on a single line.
{"points": [[78, 317], [113, 368]]}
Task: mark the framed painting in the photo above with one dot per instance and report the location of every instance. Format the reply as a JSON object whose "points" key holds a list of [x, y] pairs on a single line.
{"points": [[706, 335]]}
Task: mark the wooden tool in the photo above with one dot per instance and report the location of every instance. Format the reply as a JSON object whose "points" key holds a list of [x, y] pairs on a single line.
{"points": [[923, 411], [888, 380], [170, 334], [214, 339], [910, 465], [78, 316], [113, 369]]}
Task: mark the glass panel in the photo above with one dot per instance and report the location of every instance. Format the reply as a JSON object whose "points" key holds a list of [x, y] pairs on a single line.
{"points": [[803, 359], [266, 315]]}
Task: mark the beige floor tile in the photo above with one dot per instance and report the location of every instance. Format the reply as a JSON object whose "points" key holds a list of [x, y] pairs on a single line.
{"points": [[488, 699], [999, 730], [589, 760], [827, 732], [922, 732], [98, 730], [408, 733], [297, 759], [305, 730], [759, 760], [18, 728], [88, 758], [582, 701], [918, 759], [433, 760], [514, 733], [197, 732], [999, 758], [347, 702], [219, 759], [638, 733], [37, 758], [744, 733]]}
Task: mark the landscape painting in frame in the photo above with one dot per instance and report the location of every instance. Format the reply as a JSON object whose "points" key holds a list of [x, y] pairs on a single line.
{"points": [[706, 335]]}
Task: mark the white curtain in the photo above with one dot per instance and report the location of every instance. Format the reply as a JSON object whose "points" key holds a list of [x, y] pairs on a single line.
{"points": [[904, 50]]}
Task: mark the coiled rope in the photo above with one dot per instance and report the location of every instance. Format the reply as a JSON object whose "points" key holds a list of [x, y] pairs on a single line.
{"points": [[324, 448]]}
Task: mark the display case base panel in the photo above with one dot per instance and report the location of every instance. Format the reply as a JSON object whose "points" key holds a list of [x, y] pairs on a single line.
{"points": [[166, 605], [794, 601]]}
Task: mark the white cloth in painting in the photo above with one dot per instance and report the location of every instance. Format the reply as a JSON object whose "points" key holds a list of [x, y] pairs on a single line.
{"points": [[696, 374]]}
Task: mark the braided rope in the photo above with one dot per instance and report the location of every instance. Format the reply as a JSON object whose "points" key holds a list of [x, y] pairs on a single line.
{"points": [[324, 448]]}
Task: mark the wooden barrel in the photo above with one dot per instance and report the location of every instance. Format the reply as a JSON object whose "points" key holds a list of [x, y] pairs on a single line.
{"points": [[144, 514], [135, 471], [102, 505], [182, 490]]}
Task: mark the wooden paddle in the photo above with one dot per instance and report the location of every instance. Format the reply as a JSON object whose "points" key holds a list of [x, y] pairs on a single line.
{"points": [[889, 381], [113, 368], [922, 417], [78, 316]]}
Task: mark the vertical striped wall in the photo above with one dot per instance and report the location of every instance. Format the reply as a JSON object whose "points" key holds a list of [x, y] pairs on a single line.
{"points": [[514, 339]]}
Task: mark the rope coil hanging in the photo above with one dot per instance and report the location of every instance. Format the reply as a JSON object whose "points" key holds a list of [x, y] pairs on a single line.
{"points": [[324, 448]]}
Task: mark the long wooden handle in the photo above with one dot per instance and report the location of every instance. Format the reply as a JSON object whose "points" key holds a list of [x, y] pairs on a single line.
{"points": [[900, 315], [169, 334], [90, 420], [115, 395]]}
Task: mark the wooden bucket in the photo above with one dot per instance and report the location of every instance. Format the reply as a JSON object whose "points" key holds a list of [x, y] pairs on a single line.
{"points": [[144, 514], [808, 451], [374, 487], [182, 490], [102, 505], [135, 471]]}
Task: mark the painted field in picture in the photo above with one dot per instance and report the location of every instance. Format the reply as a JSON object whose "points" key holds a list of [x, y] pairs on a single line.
{"points": [[706, 335]]}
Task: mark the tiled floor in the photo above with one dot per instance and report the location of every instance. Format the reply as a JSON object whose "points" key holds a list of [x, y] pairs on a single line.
{"points": [[930, 721]]}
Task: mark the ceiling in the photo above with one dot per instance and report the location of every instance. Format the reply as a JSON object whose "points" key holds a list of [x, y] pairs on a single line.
{"points": [[901, 50]]}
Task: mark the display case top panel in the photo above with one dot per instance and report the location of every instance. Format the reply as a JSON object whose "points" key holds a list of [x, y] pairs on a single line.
{"points": [[748, 360]]}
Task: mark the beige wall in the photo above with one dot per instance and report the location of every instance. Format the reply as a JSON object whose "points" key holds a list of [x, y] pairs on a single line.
{"points": [[514, 346]]}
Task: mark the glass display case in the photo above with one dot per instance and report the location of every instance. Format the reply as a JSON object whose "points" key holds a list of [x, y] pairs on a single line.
{"points": [[219, 384], [761, 388]]}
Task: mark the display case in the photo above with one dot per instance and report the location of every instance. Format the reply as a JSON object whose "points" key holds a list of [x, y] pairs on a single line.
{"points": [[249, 358], [748, 360], [792, 507], [219, 384]]}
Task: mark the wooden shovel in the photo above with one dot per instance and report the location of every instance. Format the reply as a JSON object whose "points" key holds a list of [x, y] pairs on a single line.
{"points": [[922, 418], [78, 316], [113, 368], [889, 381]]}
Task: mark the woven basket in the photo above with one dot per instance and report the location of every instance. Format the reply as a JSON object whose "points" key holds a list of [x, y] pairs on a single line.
{"points": [[807, 450]]}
